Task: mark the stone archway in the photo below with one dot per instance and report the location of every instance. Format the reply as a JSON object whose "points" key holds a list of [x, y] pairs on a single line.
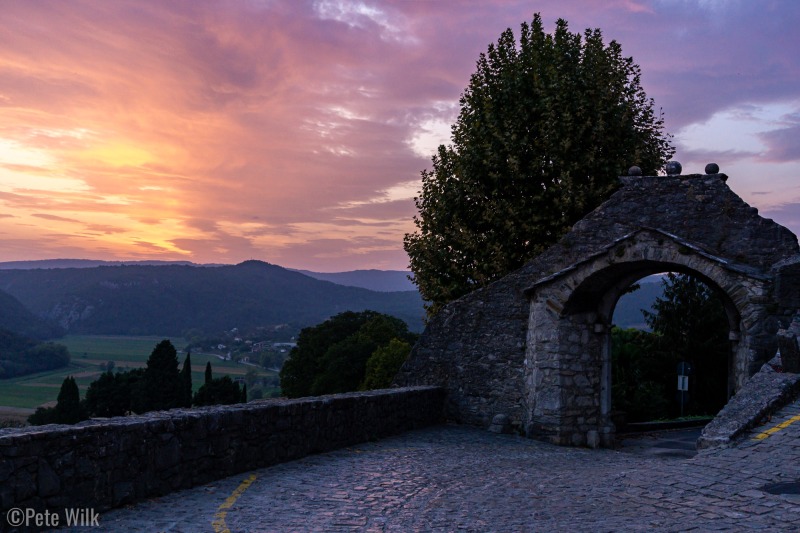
{"points": [[568, 347], [534, 345]]}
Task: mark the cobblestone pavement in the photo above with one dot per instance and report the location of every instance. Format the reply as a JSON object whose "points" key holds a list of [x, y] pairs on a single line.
{"points": [[452, 478]]}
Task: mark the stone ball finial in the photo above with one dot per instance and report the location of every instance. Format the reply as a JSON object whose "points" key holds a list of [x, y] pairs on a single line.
{"points": [[673, 168], [712, 168], [634, 171]]}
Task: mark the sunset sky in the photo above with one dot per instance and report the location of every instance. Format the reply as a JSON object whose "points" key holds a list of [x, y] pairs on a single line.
{"points": [[294, 132]]}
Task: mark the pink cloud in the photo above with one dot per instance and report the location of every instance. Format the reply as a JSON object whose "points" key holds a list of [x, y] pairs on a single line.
{"points": [[195, 118], [784, 143], [53, 218]]}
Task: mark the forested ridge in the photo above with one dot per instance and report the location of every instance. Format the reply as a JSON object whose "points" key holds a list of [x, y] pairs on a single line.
{"points": [[170, 299]]}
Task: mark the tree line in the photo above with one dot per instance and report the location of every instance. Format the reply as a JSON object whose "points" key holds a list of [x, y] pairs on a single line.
{"points": [[20, 355], [158, 386]]}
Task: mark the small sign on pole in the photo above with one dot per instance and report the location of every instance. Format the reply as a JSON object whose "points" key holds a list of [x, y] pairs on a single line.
{"points": [[684, 371]]}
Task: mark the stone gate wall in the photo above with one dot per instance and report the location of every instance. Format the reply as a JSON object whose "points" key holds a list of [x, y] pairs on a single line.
{"points": [[476, 346], [102, 464]]}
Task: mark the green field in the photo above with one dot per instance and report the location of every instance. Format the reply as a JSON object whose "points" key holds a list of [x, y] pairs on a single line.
{"points": [[90, 355]]}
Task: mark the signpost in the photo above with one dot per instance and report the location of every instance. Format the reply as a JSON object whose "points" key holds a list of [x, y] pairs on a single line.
{"points": [[684, 371]]}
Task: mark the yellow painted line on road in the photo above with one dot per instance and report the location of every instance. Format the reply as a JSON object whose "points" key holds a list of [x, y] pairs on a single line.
{"points": [[222, 511], [775, 429]]}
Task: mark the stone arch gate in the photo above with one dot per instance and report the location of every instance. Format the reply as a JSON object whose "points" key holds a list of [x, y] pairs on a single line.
{"points": [[568, 359], [534, 345]]}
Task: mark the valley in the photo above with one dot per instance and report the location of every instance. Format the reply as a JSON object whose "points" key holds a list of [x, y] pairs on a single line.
{"points": [[94, 354]]}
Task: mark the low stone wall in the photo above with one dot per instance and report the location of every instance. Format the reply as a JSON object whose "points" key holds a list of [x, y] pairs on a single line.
{"points": [[106, 463], [767, 391]]}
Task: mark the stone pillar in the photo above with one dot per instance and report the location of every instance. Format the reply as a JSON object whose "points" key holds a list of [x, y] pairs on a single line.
{"points": [[788, 345]]}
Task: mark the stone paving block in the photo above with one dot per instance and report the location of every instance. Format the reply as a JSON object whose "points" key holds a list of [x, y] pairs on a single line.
{"points": [[757, 494]]}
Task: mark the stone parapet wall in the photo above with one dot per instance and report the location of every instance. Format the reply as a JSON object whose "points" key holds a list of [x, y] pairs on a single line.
{"points": [[105, 463]]}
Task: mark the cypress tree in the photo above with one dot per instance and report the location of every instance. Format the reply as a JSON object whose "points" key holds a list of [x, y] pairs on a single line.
{"points": [[186, 380], [162, 385], [68, 409]]}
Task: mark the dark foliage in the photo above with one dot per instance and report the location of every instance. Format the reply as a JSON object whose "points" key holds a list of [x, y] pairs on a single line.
{"points": [[689, 324], [68, 410], [638, 385], [384, 364], [161, 386], [186, 381], [218, 391], [112, 393], [332, 356], [21, 355]]}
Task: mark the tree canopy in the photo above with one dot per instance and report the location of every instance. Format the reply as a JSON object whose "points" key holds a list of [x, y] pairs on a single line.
{"points": [[333, 356], [384, 363], [546, 125]]}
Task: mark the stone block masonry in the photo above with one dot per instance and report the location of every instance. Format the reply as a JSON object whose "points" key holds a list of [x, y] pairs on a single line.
{"points": [[535, 346], [105, 463]]}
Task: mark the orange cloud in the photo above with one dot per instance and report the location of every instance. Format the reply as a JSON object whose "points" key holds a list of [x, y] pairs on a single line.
{"points": [[292, 132]]}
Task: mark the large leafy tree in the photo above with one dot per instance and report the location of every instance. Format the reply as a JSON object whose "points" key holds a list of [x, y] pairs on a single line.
{"points": [[332, 356], [546, 125], [384, 364]]}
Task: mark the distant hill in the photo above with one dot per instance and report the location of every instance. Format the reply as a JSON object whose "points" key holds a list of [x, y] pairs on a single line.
{"points": [[374, 280], [169, 299], [628, 313], [14, 317], [72, 308], [82, 263]]}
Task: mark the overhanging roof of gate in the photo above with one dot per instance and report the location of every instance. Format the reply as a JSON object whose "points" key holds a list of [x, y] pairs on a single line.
{"points": [[724, 263]]}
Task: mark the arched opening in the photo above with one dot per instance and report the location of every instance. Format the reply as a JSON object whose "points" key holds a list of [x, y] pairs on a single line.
{"points": [[671, 353], [596, 297], [568, 367]]}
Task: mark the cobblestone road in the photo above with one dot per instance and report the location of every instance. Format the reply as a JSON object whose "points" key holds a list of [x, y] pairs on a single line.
{"points": [[451, 478]]}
